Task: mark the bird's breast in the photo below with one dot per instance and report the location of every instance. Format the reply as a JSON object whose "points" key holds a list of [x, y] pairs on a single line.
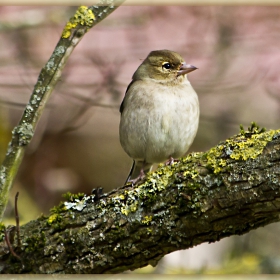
{"points": [[160, 121]]}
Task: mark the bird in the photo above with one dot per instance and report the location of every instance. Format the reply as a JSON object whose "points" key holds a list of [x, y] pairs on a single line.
{"points": [[159, 112]]}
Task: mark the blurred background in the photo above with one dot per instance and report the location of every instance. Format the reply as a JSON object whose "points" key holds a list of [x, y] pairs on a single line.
{"points": [[76, 146]]}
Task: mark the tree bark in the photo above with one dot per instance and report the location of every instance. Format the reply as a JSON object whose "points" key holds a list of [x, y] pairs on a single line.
{"points": [[230, 189]]}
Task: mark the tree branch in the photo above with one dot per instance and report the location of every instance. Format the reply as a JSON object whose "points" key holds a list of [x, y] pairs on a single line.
{"points": [[22, 134], [230, 189]]}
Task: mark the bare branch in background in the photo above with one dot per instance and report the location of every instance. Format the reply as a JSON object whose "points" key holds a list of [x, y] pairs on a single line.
{"points": [[84, 19]]}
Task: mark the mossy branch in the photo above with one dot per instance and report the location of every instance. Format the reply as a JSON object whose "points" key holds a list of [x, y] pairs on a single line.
{"points": [[22, 134], [230, 189]]}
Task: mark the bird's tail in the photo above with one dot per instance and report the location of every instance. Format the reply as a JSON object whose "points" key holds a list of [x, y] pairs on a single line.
{"points": [[137, 168]]}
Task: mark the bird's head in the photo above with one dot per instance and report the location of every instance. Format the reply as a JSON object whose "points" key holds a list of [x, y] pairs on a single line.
{"points": [[163, 66]]}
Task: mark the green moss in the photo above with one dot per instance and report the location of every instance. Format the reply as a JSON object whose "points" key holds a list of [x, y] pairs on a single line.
{"points": [[2, 231], [58, 209], [76, 201], [83, 16], [35, 241], [253, 129], [72, 197], [2, 227]]}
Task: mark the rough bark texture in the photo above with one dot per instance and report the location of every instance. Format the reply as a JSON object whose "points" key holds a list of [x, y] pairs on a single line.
{"points": [[231, 189]]}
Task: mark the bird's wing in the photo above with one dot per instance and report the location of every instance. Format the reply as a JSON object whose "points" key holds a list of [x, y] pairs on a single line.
{"points": [[122, 104]]}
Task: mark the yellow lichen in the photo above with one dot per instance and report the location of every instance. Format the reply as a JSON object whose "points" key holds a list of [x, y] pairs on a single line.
{"points": [[147, 220], [118, 198], [244, 148], [192, 173], [155, 182], [53, 218], [240, 147], [149, 231], [126, 209], [83, 16], [213, 158]]}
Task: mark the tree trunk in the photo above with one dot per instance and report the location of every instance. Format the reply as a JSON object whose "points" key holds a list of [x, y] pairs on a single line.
{"points": [[231, 189]]}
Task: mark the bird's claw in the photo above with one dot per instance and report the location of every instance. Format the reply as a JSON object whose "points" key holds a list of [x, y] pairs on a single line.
{"points": [[138, 179], [170, 161]]}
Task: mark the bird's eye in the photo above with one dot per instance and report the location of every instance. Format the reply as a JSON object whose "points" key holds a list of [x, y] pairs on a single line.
{"points": [[166, 65]]}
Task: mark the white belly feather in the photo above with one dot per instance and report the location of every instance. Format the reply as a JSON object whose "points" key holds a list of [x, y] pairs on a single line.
{"points": [[157, 126]]}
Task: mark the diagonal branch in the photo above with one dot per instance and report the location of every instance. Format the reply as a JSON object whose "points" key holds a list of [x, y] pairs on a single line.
{"points": [[230, 189], [22, 134]]}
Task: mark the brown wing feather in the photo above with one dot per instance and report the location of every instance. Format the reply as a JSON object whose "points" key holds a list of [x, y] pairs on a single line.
{"points": [[122, 104]]}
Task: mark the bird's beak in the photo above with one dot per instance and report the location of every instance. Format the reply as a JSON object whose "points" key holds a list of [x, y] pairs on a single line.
{"points": [[185, 69]]}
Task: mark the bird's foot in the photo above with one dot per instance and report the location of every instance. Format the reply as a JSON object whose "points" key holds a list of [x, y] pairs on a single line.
{"points": [[97, 193], [138, 179], [170, 161]]}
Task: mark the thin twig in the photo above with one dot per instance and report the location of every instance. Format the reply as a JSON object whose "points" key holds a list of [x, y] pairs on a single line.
{"points": [[17, 220], [7, 239]]}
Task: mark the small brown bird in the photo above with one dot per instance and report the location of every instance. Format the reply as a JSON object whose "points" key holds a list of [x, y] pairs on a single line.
{"points": [[159, 113]]}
